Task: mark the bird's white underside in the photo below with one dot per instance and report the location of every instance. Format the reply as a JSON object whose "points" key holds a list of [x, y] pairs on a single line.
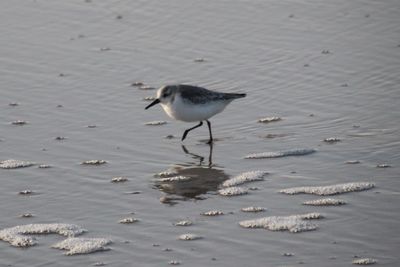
{"points": [[189, 112]]}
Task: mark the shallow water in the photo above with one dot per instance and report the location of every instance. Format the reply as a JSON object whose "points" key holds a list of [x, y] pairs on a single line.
{"points": [[327, 69]]}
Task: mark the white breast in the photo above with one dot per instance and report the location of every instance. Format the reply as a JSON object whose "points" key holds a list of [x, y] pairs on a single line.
{"points": [[186, 111]]}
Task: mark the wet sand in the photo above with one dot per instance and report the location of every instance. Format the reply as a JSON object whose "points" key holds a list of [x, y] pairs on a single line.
{"points": [[70, 93]]}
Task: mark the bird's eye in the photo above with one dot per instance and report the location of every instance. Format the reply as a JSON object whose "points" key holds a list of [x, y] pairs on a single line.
{"points": [[165, 94]]}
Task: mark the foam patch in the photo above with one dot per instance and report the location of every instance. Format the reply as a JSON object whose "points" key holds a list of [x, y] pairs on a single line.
{"points": [[364, 261], [179, 178], [280, 154], [330, 189], [253, 209], [245, 177], [232, 191], [292, 223], [78, 245], [269, 119], [14, 164], [188, 237], [325, 202], [17, 236]]}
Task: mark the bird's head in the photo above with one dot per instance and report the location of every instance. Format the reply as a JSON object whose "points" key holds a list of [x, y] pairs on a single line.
{"points": [[165, 95]]}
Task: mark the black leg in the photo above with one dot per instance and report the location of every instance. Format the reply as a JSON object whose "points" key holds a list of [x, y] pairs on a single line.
{"points": [[188, 130], [209, 129]]}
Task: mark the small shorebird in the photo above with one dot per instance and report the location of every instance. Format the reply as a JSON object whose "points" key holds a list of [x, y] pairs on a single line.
{"points": [[191, 103]]}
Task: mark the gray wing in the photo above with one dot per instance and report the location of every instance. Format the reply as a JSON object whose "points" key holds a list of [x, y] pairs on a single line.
{"points": [[199, 95]]}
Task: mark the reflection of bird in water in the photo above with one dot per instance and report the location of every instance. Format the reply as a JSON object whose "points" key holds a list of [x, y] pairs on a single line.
{"points": [[190, 180], [195, 156]]}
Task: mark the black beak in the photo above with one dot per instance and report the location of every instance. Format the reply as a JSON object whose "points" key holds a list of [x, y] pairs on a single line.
{"points": [[153, 103]]}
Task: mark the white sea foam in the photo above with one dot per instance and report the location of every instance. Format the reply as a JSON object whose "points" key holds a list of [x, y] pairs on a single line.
{"points": [[279, 154], [330, 189], [16, 236], [269, 119], [189, 237], [325, 202], [232, 191], [44, 166], [364, 261], [119, 179], [383, 165], [100, 263], [212, 213], [14, 164], [184, 223], [292, 223], [146, 87], [167, 173], [179, 178], [78, 245], [245, 178], [253, 209]]}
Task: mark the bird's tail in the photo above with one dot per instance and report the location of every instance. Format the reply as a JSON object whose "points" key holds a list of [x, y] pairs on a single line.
{"points": [[234, 96]]}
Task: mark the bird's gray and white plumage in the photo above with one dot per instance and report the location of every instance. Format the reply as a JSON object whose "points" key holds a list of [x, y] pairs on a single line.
{"points": [[192, 103], [200, 95]]}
